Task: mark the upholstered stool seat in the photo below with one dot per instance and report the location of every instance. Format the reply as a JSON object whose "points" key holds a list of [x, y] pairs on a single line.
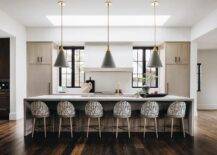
{"points": [[39, 110], [177, 110], [93, 109], [122, 109], [150, 110], [65, 110]]}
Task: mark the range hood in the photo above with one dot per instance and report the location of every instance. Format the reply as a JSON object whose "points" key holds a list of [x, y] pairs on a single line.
{"points": [[97, 69]]}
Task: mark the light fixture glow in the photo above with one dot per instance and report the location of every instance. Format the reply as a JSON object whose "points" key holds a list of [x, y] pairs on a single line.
{"points": [[115, 20]]}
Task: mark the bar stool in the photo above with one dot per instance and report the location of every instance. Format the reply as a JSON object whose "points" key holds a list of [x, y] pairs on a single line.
{"points": [[150, 110], [65, 110], [177, 110], [122, 110], [93, 109], [39, 110]]}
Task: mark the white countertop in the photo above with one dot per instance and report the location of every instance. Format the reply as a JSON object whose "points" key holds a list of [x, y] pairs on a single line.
{"points": [[87, 97]]}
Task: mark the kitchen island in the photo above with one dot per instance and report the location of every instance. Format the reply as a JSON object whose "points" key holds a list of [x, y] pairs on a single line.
{"points": [[108, 121]]}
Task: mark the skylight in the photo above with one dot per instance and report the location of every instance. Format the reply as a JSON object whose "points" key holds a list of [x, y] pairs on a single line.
{"points": [[115, 20]]}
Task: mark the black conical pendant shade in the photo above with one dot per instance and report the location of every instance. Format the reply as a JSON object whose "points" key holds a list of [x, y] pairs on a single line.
{"points": [[108, 61], [61, 60], [155, 61]]}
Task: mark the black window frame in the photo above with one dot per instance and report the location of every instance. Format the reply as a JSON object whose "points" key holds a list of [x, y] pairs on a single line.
{"points": [[72, 48], [144, 48]]}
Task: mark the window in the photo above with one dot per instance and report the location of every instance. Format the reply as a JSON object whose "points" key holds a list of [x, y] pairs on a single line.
{"points": [[73, 76], [141, 56]]}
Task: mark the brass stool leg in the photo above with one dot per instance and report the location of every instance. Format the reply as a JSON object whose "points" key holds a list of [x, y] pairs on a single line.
{"points": [[128, 125], [155, 124], [183, 127], [172, 128], [60, 125], [144, 127], [71, 126], [99, 127], [45, 134], [117, 121], [88, 126], [33, 127]]}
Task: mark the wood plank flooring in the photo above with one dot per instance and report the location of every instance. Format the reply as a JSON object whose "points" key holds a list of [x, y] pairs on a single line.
{"points": [[13, 142]]}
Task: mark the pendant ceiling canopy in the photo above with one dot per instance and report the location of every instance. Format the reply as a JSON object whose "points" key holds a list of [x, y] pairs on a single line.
{"points": [[61, 59], [108, 61], [155, 61]]}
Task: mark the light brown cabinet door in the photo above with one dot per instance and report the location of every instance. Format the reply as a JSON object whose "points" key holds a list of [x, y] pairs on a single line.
{"points": [[39, 80], [32, 53], [171, 53], [177, 80], [184, 53], [45, 50], [39, 53]]}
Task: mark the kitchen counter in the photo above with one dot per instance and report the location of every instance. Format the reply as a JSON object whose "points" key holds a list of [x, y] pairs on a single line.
{"points": [[108, 101], [101, 97]]}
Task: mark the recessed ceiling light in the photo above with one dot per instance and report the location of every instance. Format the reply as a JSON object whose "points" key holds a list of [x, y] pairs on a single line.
{"points": [[115, 20]]}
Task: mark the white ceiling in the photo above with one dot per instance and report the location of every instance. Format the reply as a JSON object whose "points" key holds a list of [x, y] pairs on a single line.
{"points": [[33, 13]]}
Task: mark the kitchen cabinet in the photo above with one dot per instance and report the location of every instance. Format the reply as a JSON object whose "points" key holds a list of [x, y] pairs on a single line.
{"points": [[39, 68], [176, 58], [39, 80], [177, 52], [39, 53], [178, 80]]}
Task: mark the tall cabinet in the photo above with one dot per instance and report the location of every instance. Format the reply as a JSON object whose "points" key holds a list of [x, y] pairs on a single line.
{"points": [[177, 68], [39, 68]]}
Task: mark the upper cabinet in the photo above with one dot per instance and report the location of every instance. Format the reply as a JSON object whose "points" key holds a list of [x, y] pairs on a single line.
{"points": [[39, 53], [177, 52]]}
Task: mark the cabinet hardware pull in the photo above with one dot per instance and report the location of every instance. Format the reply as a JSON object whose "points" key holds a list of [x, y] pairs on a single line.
{"points": [[179, 59], [41, 59], [37, 59], [175, 59], [167, 90], [49, 88]]}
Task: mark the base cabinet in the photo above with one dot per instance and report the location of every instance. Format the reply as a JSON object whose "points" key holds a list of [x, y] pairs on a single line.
{"points": [[177, 80]]}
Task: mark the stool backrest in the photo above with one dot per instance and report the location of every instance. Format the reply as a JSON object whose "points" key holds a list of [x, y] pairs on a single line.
{"points": [[177, 109], [39, 109]]}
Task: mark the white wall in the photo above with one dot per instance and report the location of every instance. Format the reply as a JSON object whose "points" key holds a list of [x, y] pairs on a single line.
{"points": [[207, 98], [99, 34], [107, 81], [17, 34], [193, 74], [123, 57]]}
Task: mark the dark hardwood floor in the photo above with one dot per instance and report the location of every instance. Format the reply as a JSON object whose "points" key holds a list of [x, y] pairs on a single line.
{"points": [[12, 141]]}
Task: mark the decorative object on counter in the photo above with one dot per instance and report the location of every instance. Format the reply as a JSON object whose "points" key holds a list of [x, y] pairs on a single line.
{"points": [[147, 78], [92, 83], [61, 59], [177, 110], [150, 110], [39, 110], [108, 61], [86, 87], [93, 109], [122, 110], [61, 89], [153, 95], [65, 110], [155, 61]]}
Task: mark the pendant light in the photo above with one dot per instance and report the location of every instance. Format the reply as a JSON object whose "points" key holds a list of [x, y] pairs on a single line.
{"points": [[61, 59], [155, 61], [108, 61]]}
